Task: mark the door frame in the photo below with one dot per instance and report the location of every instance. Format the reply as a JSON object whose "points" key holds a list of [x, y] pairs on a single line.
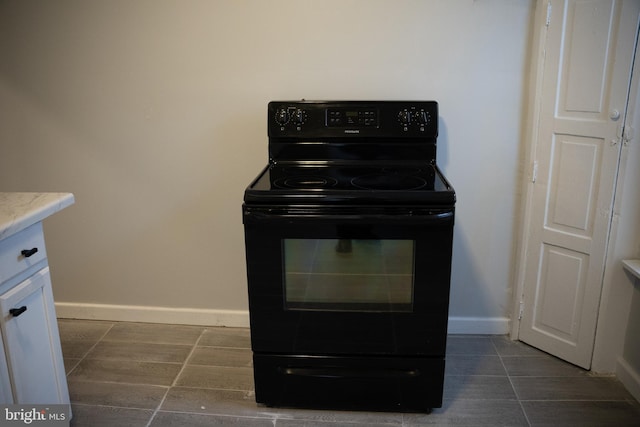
{"points": [[530, 138]]}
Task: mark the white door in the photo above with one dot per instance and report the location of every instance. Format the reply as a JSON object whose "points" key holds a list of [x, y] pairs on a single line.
{"points": [[581, 88]]}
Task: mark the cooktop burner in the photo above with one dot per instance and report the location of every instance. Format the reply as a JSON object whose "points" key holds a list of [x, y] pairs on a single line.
{"points": [[388, 181], [305, 181]]}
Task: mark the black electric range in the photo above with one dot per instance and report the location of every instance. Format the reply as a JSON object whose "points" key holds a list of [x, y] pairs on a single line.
{"points": [[348, 236]]}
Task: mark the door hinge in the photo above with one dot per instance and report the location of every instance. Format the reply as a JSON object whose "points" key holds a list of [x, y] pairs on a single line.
{"points": [[534, 171], [548, 14], [627, 135], [619, 136], [521, 310]]}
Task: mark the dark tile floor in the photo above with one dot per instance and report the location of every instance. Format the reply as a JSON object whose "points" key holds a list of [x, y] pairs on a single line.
{"points": [[136, 374]]}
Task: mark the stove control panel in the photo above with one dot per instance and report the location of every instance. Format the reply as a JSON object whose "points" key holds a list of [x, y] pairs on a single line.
{"points": [[353, 119], [349, 118]]}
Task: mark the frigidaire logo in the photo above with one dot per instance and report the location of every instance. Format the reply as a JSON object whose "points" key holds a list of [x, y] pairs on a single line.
{"points": [[351, 131], [23, 414]]}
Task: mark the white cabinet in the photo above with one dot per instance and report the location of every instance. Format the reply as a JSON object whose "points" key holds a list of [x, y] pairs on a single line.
{"points": [[6, 395], [31, 364]]}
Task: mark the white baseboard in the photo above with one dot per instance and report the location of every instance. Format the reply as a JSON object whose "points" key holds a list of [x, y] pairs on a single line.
{"points": [[233, 318], [629, 377], [479, 325], [169, 315]]}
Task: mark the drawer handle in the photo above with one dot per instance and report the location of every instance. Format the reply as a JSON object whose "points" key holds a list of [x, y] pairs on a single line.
{"points": [[28, 252], [15, 312]]}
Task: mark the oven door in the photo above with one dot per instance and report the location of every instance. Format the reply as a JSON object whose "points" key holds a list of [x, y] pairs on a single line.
{"points": [[348, 281]]}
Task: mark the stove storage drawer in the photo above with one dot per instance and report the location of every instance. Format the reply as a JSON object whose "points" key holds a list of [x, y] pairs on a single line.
{"points": [[375, 383]]}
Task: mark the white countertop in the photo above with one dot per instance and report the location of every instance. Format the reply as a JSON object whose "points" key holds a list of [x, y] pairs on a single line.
{"points": [[633, 266], [20, 210]]}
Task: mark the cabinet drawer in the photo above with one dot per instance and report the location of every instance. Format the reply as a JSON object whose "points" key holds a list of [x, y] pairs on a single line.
{"points": [[12, 258]]}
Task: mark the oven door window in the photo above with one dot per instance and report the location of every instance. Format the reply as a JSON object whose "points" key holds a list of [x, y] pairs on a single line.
{"points": [[348, 274]]}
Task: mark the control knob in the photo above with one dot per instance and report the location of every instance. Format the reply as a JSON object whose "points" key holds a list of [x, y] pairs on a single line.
{"points": [[404, 117], [423, 117], [282, 116], [299, 116]]}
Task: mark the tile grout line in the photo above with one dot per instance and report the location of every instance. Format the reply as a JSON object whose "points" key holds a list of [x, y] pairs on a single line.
{"points": [[175, 380], [90, 349], [526, 417]]}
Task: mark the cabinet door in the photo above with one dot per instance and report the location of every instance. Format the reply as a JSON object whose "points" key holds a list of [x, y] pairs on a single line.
{"points": [[32, 343], [6, 396]]}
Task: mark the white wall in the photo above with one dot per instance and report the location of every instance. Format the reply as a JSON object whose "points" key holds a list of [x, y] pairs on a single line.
{"points": [[153, 114]]}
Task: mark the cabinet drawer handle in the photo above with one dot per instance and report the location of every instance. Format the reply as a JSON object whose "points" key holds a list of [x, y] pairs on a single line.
{"points": [[15, 312], [28, 252]]}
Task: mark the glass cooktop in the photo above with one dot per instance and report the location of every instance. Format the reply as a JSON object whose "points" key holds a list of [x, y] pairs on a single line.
{"points": [[421, 183]]}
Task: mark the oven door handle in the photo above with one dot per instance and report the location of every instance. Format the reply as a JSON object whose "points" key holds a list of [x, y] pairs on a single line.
{"points": [[405, 216]]}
